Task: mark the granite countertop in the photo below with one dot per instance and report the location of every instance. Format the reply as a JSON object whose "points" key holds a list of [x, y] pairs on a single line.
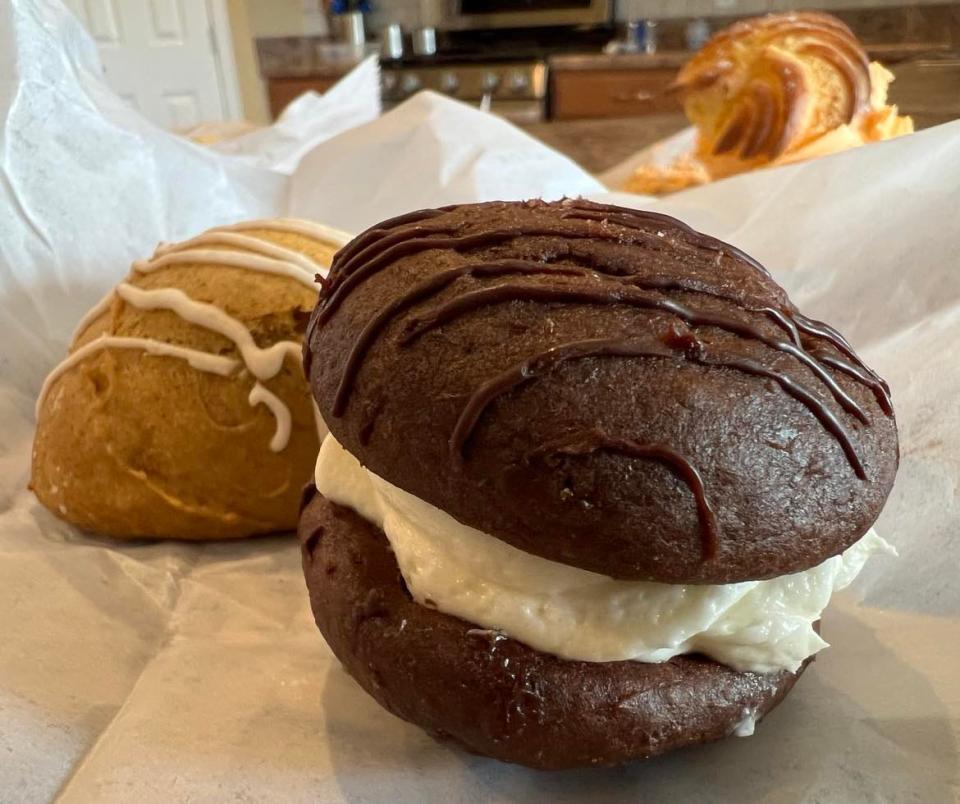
{"points": [[597, 145], [675, 59], [308, 57], [301, 57]]}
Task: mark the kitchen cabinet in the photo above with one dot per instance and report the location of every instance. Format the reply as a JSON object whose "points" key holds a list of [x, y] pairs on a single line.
{"points": [[612, 93], [280, 91], [600, 86]]}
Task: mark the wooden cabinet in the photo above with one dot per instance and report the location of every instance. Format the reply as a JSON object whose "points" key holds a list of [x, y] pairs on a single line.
{"points": [[283, 90], [612, 92]]}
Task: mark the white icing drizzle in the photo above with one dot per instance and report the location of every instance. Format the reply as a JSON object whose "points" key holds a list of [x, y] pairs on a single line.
{"points": [[311, 229], [262, 363], [281, 261], [202, 361], [234, 259], [247, 243], [260, 394], [244, 251], [93, 314]]}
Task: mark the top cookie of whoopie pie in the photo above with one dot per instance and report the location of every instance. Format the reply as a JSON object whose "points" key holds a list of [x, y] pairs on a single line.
{"points": [[602, 387]]}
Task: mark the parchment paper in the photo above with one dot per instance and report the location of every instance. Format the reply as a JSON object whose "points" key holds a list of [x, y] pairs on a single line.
{"points": [[170, 672], [311, 119], [660, 154]]}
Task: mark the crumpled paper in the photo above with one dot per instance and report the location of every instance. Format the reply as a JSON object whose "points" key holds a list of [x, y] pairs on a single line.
{"points": [[159, 672], [311, 119], [428, 152]]}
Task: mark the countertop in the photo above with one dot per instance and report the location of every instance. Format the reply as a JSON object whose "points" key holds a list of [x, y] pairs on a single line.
{"points": [[600, 144], [302, 57], [674, 59]]}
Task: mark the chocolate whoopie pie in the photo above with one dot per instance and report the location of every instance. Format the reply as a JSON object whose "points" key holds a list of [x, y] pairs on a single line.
{"points": [[582, 446]]}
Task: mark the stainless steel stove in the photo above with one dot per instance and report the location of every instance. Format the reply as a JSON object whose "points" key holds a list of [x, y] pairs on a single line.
{"points": [[515, 89], [504, 70]]}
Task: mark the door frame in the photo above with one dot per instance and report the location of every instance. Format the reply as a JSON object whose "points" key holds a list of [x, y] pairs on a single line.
{"points": [[221, 40]]}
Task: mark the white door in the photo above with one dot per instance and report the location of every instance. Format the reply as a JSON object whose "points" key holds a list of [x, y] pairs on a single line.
{"points": [[162, 56]]}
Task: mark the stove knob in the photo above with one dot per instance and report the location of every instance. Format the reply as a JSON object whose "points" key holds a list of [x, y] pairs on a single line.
{"points": [[388, 81], [410, 83], [449, 83], [517, 81], [489, 81]]}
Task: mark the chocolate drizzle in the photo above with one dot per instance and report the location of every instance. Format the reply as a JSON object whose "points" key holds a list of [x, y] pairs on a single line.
{"points": [[381, 254], [640, 219], [500, 294], [593, 278], [418, 293], [581, 208], [588, 443], [860, 372], [376, 248], [347, 274], [786, 323], [381, 229], [813, 327], [533, 367], [382, 245], [435, 284], [826, 417], [673, 343], [358, 244], [856, 368]]}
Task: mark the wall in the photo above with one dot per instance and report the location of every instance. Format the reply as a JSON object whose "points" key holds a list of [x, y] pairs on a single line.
{"points": [[253, 19], [286, 17], [253, 93], [404, 12]]}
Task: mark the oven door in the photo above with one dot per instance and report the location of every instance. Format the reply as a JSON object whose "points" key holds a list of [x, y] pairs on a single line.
{"points": [[462, 15]]}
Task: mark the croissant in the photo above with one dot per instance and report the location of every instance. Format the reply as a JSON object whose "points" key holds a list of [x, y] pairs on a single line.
{"points": [[777, 89], [770, 85]]}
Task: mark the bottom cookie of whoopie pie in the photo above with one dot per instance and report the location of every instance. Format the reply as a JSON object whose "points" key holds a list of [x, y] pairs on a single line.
{"points": [[496, 696]]}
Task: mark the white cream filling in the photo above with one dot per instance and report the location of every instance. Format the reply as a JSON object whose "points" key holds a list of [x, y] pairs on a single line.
{"points": [[761, 626]]}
